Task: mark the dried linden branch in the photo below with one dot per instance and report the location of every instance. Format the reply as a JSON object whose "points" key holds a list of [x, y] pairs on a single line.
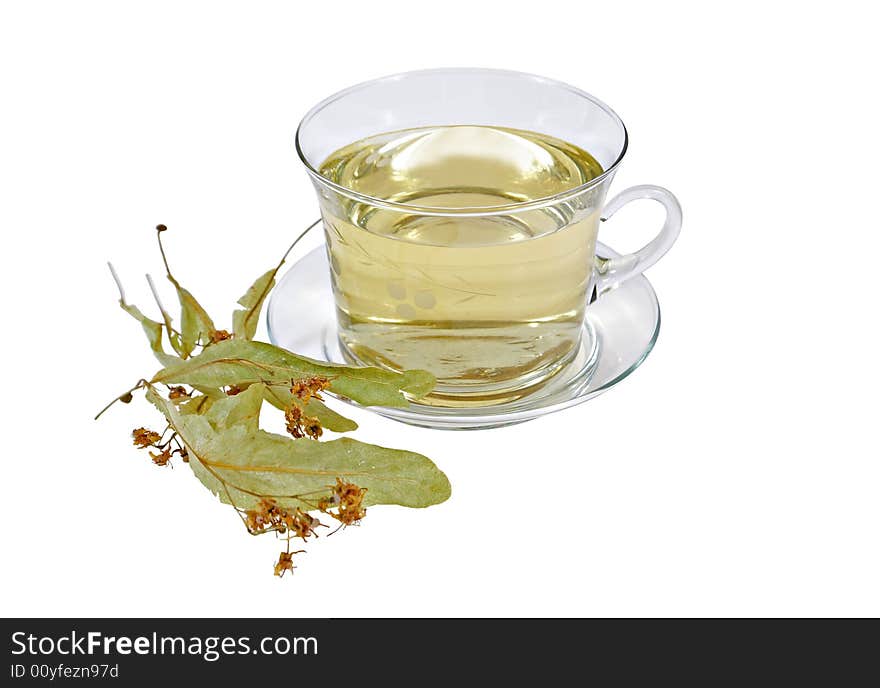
{"points": [[212, 392]]}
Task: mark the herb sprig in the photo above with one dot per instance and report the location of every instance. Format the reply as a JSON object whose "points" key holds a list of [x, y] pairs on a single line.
{"points": [[211, 391]]}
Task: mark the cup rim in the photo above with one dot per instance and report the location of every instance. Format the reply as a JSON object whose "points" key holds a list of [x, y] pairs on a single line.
{"points": [[473, 210]]}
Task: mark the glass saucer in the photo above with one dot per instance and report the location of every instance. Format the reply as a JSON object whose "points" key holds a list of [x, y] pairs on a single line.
{"points": [[620, 330]]}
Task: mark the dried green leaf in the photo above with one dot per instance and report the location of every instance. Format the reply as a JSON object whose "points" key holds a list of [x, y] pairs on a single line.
{"points": [[213, 392], [153, 330], [244, 322], [254, 464], [199, 404], [281, 398], [195, 323], [173, 336], [241, 409], [240, 362], [294, 472]]}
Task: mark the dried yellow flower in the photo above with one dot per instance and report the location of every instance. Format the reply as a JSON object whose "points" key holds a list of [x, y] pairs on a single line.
{"points": [[348, 499], [162, 458], [178, 393], [145, 438], [309, 388], [300, 425]]}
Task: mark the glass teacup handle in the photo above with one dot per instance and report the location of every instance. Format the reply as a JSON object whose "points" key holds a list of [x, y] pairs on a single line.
{"points": [[612, 272]]}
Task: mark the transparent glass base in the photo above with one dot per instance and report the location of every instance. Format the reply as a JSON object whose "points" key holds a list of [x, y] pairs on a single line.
{"points": [[619, 332], [473, 395]]}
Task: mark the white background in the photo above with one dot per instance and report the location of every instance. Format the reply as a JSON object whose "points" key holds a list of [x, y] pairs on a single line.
{"points": [[736, 473]]}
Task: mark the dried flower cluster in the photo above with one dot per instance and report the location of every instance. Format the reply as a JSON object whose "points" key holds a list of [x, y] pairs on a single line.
{"points": [[268, 516], [303, 391], [348, 500], [219, 336], [344, 503], [309, 388], [300, 425], [144, 438], [178, 392]]}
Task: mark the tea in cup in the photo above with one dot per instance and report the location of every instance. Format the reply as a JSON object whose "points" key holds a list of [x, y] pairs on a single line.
{"points": [[461, 209]]}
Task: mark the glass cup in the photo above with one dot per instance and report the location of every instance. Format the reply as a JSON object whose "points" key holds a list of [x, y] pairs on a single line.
{"points": [[489, 295]]}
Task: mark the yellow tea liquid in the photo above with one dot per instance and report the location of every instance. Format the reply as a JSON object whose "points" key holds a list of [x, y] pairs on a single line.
{"points": [[491, 304]]}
